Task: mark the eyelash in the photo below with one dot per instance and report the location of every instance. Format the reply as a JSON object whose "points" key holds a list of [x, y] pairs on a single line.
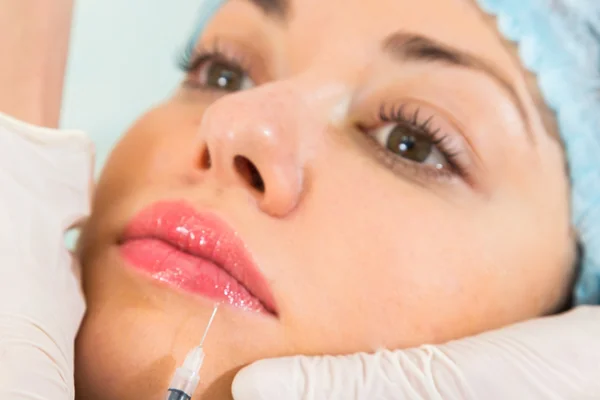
{"points": [[444, 142]]}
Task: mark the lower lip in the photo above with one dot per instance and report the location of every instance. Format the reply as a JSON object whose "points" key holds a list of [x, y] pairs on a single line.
{"points": [[188, 273]]}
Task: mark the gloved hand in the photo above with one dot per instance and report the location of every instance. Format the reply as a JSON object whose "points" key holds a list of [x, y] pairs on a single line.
{"points": [[550, 358], [45, 178]]}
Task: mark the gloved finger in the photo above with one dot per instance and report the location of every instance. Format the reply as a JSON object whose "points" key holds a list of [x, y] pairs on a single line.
{"points": [[78, 188], [546, 358], [385, 375], [66, 157], [32, 363], [293, 378]]}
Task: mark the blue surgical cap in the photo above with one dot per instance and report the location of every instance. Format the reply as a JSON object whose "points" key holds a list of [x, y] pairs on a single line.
{"points": [[559, 41]]}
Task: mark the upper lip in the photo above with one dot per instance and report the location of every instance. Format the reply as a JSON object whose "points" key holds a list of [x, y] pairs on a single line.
{"points": [[202, 235]]}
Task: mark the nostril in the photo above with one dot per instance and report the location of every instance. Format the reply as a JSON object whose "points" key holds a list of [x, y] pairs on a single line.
{"points": [[249, 172], [205, 161]]}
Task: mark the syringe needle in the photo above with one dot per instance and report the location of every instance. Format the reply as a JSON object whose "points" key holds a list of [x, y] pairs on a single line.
{"points": [[212, 317]]}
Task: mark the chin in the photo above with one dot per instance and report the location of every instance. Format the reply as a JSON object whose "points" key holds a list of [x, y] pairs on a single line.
{"points": [[137, 331]]}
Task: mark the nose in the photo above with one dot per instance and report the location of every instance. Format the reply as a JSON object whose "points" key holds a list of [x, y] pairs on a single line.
{"points": [[252, 139]]}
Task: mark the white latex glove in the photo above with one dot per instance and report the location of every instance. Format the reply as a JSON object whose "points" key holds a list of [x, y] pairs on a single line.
{"points": [[549, 358], [45, 181]]}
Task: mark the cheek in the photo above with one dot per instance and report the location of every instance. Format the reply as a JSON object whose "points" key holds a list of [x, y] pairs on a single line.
{"points": [[381, 252], [156, 148], [400, 265]]}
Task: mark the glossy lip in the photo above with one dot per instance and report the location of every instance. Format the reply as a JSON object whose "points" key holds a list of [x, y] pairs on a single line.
{"points": [[201, 235]]}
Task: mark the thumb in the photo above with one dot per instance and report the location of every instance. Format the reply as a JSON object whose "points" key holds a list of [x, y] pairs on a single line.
{"points": [[299, 378], [385, 375], [548, 358]]}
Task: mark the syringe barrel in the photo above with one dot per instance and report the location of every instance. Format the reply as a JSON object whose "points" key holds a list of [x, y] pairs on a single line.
{"points": [[174, 394]]}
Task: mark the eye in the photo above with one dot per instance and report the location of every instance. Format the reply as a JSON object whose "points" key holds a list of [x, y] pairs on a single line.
{"points": [[223, 75], [415, 139], [407, 143]]}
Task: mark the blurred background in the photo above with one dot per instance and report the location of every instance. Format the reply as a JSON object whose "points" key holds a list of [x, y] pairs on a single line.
{"points": [[122, 61]]}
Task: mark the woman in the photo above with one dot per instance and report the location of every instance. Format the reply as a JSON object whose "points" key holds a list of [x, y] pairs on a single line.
{"points": [[357, 162], [320, 170]]}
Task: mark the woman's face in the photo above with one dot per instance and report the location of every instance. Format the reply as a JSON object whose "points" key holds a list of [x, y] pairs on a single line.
{"points": [[385, 174]]}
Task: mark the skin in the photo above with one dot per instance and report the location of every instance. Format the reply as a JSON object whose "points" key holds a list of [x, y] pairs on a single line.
{"points": [[362, 248], [33, 44]]}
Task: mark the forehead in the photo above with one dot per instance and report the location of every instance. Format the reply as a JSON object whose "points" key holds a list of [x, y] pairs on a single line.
{"points": [[357, 27]]}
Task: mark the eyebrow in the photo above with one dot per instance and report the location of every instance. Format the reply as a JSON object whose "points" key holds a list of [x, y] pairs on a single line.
{"points": [[413, 47], [276, 8]]}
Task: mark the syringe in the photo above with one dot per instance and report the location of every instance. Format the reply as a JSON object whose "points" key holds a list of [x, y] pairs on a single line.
{"points": [[186, 378]]}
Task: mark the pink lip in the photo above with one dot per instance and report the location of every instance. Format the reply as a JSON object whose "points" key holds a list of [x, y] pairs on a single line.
{"points": [[195, 252]]}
